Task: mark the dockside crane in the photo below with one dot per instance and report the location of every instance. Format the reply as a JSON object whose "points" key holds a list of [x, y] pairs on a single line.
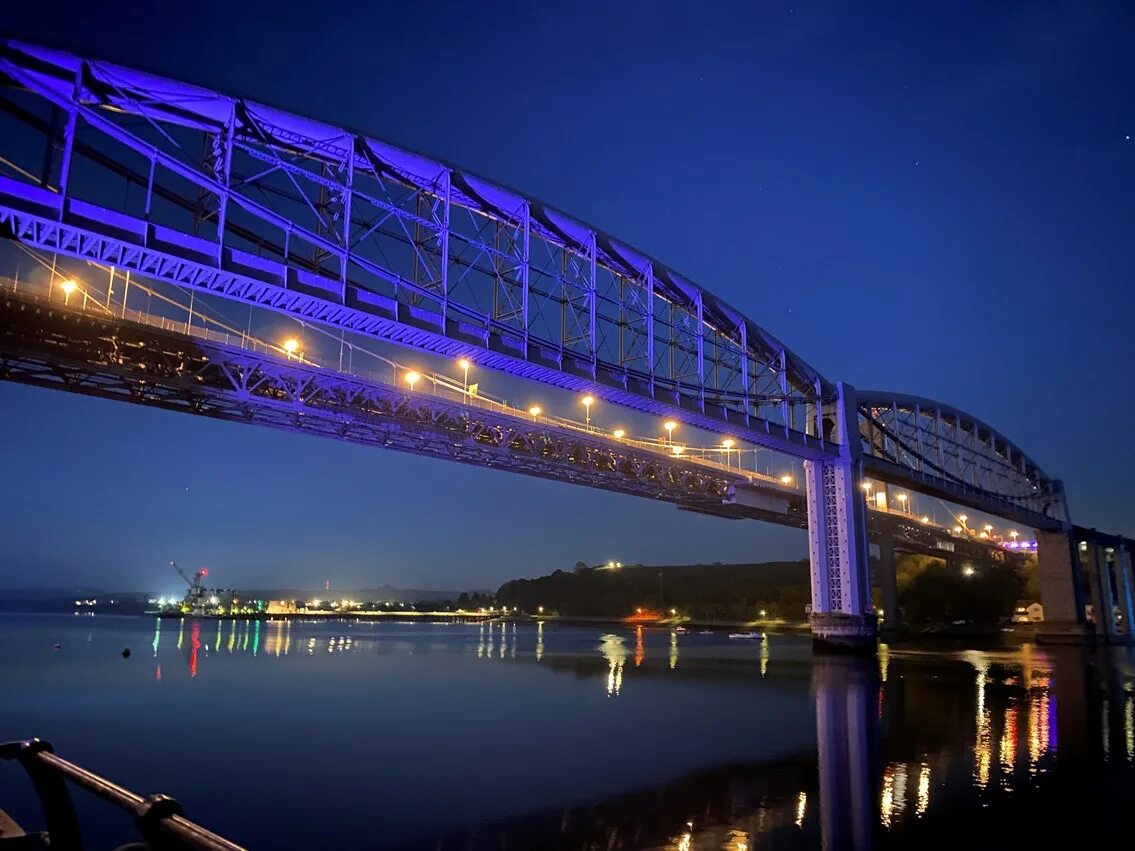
{"points": [[195, 597]]}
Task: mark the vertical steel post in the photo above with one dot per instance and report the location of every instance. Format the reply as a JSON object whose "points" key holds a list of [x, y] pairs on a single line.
{"points": [[895, 428], [592, 303], [69, 131], [650, 323], [939, 438], [746, 396], [447, 183], [524, 266], [918, 433], [347, 204], [818, 412], [700, 351], [784, 390], [224, 176]]}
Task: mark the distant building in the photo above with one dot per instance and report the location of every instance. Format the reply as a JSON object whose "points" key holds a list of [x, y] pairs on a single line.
{"points": [[281, 607], [1035, 611]]}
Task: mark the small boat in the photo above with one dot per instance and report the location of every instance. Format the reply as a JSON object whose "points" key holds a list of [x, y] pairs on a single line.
{"points": [[750, 636], [706, 632], [680, 629]]}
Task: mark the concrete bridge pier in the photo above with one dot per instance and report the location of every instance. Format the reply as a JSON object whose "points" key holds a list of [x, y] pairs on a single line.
{"points": [[887, 577], [842, 620], [1121, 571], [1094, 561], [1109, 569], [1060, 573]]}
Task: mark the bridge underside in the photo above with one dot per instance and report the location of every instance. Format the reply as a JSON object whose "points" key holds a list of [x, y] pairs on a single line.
{"points": [[47, 345], [44, 345]]}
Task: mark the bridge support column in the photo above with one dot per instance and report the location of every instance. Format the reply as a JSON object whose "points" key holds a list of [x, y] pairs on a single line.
{"points": [[1103, 601], [889, 582], [842, 620], [1121, 569], [1061, 588]]}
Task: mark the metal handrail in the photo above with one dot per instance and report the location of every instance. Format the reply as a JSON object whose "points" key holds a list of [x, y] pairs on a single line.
{"points": [[159, 818]]}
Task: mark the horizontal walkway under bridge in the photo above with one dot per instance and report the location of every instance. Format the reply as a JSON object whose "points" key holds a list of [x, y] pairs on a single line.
{"points": [[152, 360]]}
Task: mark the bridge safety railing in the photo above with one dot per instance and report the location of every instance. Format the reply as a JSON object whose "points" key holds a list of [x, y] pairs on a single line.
{"points": [[159, 819]]}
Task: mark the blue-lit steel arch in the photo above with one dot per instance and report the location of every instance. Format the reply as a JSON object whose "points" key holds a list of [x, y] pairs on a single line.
{"points": [[954, 454], [227, 196], [241, 199]]}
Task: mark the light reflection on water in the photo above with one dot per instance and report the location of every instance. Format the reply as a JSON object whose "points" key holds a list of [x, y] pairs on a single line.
{"points": [[911, 737]]}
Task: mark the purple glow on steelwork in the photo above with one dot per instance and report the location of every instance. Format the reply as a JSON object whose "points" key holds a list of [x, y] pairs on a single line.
{"points": [[713, 369], [1029, 546]]}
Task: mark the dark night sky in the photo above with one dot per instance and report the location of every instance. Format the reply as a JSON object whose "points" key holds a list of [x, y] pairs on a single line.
{"points": [[935, 199]]}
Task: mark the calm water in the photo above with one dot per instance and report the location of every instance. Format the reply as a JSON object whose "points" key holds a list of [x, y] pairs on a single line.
{"points": [[466, 736]]}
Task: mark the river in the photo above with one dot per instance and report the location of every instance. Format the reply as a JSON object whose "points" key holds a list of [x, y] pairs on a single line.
{"points": [[348, 734]]}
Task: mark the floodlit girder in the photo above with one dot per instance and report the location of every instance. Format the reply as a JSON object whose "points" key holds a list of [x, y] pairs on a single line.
{"points": [[47, 345], [224, 195], [339, 228], [941, 450], [44, 345]]}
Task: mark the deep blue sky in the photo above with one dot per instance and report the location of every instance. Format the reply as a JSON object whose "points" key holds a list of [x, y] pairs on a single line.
{"points": [[931, 198]]}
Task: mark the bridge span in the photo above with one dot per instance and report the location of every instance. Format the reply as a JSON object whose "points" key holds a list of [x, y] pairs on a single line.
{"points": [[233, 200]]}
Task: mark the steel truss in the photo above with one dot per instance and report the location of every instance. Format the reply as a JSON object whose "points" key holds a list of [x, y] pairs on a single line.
{"points": [[237, 198], [944, 450], [224, 195], [43, 345]]}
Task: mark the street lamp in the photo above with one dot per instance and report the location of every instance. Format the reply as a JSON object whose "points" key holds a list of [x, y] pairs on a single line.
{"points": [[291, 345], [619, 434], [729, 443], [588, 401], [786, 479], [1014, 534], [670, 425], [902, 497], [957, 530], [464, 364], [412, 378], [677, 450], [924, 519], [535, 411], [68, 287]]}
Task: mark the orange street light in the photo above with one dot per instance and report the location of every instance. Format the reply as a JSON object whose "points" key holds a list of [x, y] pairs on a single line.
{"points": [[588, 401]]}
